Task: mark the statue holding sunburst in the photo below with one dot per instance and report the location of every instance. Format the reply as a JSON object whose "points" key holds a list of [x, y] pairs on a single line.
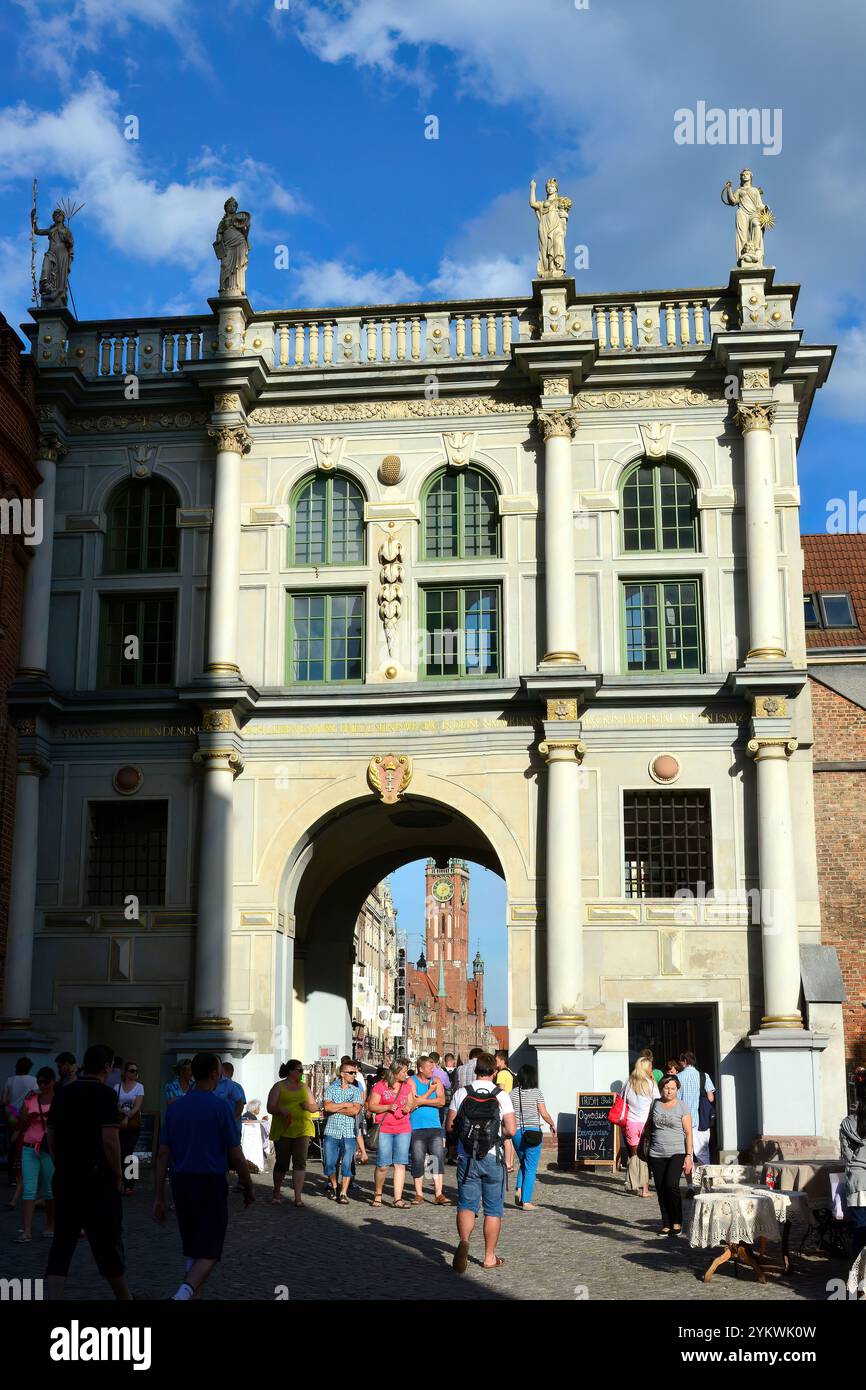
{"points": [[57, 261], [753, 219]]}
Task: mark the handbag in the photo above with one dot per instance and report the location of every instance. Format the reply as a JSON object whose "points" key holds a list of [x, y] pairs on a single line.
{"points": [[618, 1112], [531, 1137], [706, 1107], [643, 1146]]}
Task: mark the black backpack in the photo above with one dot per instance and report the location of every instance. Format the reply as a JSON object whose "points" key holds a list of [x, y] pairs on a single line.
{"points": [[478, 1124]]}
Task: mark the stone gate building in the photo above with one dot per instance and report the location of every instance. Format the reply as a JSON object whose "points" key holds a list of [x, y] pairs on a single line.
{"points": [[509, 580]]}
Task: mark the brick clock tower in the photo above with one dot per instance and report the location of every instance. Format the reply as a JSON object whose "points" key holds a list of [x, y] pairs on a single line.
{"points": [[454, 991]]}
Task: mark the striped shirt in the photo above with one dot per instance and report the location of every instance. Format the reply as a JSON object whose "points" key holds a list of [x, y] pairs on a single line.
{"points": [[338, 1126], [690, 1091]]}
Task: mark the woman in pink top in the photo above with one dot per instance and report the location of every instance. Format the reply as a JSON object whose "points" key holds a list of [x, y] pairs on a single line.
{"points": [[390, 1102], [37, 1169]]}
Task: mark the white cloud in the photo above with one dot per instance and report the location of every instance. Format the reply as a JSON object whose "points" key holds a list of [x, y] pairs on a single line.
{"points": [[79, 149], [325, 283], [844, 391], [493, 275], [58, 34]]}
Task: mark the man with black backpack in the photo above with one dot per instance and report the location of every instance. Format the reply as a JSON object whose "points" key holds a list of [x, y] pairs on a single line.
{"points": [[482, 1117]]}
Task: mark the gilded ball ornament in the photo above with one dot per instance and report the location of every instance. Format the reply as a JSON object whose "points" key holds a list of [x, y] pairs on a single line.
{"points": [[390, 470]]}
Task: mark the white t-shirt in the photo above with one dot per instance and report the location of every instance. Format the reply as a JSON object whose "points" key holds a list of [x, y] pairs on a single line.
{"points": [[638, 1105], [484, 1083], [17, 1087], [126, 1099]]}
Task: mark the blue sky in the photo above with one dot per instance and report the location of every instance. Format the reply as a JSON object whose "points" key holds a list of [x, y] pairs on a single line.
{"points": [[314, 115]]}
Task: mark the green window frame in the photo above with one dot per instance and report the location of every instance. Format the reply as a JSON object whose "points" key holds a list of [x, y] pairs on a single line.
{"points": [[327, 521], [142, 533], [662, 625], [460, 516], [152, 618], [659, 510], [462, 627], [326, 638]]}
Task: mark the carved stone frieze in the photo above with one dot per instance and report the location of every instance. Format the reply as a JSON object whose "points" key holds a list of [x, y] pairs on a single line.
{"points": [[660, 399], [135, 421], [334, 412]]}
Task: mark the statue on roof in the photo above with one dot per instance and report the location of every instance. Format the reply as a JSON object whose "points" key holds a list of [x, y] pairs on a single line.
{"points": [[753, 219], [232, 249], [552, 213], [57, 261]]}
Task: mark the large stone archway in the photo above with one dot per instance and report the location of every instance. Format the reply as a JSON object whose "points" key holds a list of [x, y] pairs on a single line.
{"points": [[328, 875]]}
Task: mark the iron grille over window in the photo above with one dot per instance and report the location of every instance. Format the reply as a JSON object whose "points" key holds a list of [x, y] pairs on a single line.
{"points": [[668, 843], [127, 853]]}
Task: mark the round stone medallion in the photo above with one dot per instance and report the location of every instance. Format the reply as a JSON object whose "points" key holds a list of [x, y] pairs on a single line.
{"points": [[127, 780], [664, 768]]}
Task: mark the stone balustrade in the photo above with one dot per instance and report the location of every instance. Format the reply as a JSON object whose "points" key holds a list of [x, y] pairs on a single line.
{"points": [[392, 335]]}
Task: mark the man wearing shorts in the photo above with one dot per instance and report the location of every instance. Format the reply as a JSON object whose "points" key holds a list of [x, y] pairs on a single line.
{"points": [[84, 1143], [200, 1140], [481, 1180], [427, 1139]]}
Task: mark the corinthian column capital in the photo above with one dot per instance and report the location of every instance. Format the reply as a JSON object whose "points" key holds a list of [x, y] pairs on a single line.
{"points": [[556, 423], [50, 447], [756, 415], [231, 439]]}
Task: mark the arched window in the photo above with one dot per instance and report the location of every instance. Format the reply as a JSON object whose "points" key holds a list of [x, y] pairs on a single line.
{"points": [[659, 507], [461, 516], [142, 529], [328, 521]]}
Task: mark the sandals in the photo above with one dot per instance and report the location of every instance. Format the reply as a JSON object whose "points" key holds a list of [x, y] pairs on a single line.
{"points": [[376, 1202], [498, 1263], [461, 1258], [401, 1205], [342, 1200]]}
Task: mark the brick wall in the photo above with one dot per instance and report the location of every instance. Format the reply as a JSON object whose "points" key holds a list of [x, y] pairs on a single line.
{"points": [[840, 829], [18, 478]]}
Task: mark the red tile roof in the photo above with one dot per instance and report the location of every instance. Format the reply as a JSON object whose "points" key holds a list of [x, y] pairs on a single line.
{"points": [[836, 564], [501, 1031]]}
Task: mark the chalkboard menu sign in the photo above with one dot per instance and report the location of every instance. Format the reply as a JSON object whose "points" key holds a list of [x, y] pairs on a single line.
{"points": [[597, 1138]]}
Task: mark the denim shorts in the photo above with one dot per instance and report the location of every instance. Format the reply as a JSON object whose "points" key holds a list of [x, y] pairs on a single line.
{"points": [[340, 1151], [37, 1171], [392, 1148], [481, 1181]]}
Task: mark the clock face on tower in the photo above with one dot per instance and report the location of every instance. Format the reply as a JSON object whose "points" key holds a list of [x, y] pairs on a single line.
{"points": [[443, 890], [464, 891]]}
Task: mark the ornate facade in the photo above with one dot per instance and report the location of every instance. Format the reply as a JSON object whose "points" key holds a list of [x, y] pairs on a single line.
{"points": [[513, 580]]}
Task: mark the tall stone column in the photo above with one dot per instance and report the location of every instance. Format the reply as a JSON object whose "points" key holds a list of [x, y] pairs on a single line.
{"points": [[22, 898], [215, 882], [557, 427], [232, 442], [564, 898], [778, 877], [766, 628], [33, 658]]}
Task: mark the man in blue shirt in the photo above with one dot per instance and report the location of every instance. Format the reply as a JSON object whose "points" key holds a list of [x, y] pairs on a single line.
{"points": [[690, 1095], [200, 1141], [232, 1093]]}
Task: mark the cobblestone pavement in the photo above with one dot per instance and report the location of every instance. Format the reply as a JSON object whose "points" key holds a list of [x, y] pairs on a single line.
{"points": [[586, 1234]]}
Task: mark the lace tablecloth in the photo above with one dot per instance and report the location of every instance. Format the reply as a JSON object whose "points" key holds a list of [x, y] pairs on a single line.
{"points": [[857, 1277], [811, 1178], [724, 1174], [728, 1217]]}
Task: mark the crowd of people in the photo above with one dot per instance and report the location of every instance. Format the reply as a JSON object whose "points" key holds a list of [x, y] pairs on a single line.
{"points": [[73, 1135]]}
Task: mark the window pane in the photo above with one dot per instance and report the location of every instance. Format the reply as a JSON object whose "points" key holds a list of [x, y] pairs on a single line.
{"points": [[659, 510], [152, 621], [481, 640], [327, 637], [309, 523], [442, 632], [641, 627], [347, 528], [440, 518], [837, 610], [142, 529], [480, 516], [810, 611]]}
